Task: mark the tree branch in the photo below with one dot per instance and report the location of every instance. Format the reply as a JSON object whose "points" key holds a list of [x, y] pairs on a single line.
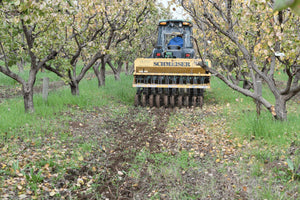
{"points": [[5, 57]]}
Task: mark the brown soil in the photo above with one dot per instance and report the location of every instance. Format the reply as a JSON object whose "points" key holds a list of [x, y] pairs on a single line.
{"points": [[122, 137]]}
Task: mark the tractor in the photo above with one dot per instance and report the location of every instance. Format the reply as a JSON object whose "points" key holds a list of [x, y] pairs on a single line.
{"points": [[171, 76]]}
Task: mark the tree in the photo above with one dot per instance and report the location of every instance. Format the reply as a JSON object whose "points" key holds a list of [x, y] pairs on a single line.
{"points": [[83, 50], [247, 41], [95, 35], [33, 30], [140, 40], [125, 25]]}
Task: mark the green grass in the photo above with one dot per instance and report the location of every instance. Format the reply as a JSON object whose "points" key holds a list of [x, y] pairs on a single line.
{"points": [[269, 141], [247, 122], [12, 110], [163, 167], [265, 127]]}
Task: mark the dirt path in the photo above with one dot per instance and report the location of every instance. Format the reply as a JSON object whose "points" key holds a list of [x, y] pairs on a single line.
{"points": [[124, 136]]}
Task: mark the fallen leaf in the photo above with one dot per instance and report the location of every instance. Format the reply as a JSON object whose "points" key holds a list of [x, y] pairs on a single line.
{"points": [[52, 193], [20, 174], [22, 196], [120, 173], [80, 181], [80, 158], [135, 185]]}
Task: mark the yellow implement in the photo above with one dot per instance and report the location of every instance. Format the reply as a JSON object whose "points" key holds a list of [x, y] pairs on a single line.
{"points": [[172, 76], [170, 81], [170, 67]]}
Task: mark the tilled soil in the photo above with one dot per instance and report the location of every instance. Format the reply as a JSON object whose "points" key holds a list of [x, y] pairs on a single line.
{"points": [[138, 129], [111, 170], [130, 137]]}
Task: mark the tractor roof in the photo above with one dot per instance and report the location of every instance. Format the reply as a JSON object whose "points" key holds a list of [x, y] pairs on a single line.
{"points": [[174, 20], [164, 22]]}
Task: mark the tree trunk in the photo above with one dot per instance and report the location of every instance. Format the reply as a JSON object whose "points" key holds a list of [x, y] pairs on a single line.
{"points": [[117, 76], [280, 109], [74, 88], [97, 72], [28, 98], [102, 72], [118, 71], [258, 93], [27, 90], [127, 68], [131, 69]]}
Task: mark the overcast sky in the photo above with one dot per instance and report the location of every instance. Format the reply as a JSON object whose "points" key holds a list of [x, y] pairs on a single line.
{"points": [[177, 14]]}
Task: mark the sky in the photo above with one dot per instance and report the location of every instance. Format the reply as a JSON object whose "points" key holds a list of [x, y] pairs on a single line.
{"points": [[177, 14]]}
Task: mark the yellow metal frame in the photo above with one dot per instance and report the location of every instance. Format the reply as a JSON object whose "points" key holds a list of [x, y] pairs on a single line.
{"points": [[169, 67]]}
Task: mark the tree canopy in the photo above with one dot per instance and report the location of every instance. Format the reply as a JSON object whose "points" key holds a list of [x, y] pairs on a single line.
{"points": [[62, 36], [248, 41]]}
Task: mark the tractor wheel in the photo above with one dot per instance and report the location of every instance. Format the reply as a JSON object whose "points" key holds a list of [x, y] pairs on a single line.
{"points": [[166, 100], [157, 100], [194, 101], [172, 101], [151, 100], [186, 101], [144, 102], [179, 101], [201, 101], [136, 100]]}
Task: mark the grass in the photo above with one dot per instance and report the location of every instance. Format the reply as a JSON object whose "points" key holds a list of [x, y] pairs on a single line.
{"points": [[249, 124], [163, 166], [13, 114], [266, 142], [274, 143]]}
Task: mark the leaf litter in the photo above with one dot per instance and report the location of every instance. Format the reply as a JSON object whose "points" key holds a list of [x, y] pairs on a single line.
{"points": [[92, 154]]}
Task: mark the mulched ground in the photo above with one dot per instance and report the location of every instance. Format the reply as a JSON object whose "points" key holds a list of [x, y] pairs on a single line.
{"points": [[118, 138]]}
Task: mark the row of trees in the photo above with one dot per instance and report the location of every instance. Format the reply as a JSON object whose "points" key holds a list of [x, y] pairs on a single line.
{"points": [[62, 36], [248, 42]]}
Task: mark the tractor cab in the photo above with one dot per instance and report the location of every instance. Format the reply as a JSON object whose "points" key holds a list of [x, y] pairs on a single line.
{"points": [[174, 40]]}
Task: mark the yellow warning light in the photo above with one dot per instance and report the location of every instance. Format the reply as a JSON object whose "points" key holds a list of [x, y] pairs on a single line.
{"points": [[163, 23]]}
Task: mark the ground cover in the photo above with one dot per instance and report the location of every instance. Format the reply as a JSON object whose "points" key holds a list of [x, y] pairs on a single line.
{"points": [[98, 146]]}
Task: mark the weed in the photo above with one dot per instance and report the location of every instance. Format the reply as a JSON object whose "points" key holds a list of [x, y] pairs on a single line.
{"points": [[33, 178], [15, 165], [293, 172]]}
